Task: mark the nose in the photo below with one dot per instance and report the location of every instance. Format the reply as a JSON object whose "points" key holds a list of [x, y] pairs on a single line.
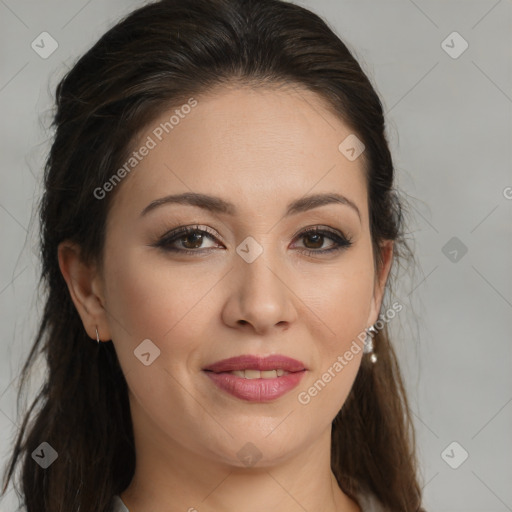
{"points": [[260, 298]]}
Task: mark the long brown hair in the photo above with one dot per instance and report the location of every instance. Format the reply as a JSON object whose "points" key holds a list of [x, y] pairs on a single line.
{"points": [[161, 55]]}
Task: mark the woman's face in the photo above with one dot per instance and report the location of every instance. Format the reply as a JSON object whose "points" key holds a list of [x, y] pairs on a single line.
{"points": [[251, 283]]}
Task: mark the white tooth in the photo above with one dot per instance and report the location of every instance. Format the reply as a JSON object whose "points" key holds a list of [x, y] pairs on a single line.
{"points": [[257, 374], [252, 374]]}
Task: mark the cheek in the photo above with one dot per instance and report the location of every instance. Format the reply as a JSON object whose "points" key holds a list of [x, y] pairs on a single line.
{"points": [[161, 303], [342, 297], [151, 298], [343, 308], [341, 301]]}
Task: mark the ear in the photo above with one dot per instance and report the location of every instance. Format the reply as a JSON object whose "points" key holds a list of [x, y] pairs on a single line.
{"points": [[386, 250], [86, 290]]}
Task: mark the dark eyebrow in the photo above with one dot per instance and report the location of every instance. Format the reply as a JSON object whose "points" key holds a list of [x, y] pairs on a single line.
{"points": [[218, 205]]}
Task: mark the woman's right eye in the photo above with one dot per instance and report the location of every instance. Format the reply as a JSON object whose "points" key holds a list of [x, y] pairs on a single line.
{"points": [[190, 238]]}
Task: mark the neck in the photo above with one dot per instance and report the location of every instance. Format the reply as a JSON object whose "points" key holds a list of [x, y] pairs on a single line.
{"points": [[176, 479]]}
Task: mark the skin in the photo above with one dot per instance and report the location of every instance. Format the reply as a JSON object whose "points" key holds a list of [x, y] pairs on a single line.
{"points": [[259, 149]]}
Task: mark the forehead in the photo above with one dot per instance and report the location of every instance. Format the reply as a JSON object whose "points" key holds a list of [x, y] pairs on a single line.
{"points": [[259, 147]]}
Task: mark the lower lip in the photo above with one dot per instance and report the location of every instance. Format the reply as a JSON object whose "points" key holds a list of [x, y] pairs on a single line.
{"points": [[256, 390]]}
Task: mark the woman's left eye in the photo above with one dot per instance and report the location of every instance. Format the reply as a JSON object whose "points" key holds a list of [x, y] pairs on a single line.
{"points": [[192, 237], [320, 234]]}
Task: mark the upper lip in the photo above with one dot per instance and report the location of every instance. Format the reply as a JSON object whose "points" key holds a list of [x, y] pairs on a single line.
{"points": [[252, 362]]}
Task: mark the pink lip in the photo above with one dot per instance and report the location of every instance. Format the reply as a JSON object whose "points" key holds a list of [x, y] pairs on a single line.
{"points": [[256, 390], [251, 362]]}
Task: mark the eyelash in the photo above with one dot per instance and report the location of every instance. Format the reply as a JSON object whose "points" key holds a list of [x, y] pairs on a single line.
{"points": [[340, 241]]}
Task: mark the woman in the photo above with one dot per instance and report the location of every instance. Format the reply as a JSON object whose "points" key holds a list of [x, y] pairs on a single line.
{"points": [[219, 217]]}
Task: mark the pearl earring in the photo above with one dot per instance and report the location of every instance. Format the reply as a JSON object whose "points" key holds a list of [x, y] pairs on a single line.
{"points": [[368, 344]]}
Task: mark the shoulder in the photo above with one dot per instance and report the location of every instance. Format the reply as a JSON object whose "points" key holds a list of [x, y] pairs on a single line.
{"points": [[118, 505], [368, 502]]}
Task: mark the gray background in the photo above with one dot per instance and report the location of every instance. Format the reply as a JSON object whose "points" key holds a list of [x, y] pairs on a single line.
{"points": [[449, 126]]}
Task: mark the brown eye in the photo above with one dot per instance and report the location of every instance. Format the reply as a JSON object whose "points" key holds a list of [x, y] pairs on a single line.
{"points": [[195, 239], [186, 240], [314, 239]]}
